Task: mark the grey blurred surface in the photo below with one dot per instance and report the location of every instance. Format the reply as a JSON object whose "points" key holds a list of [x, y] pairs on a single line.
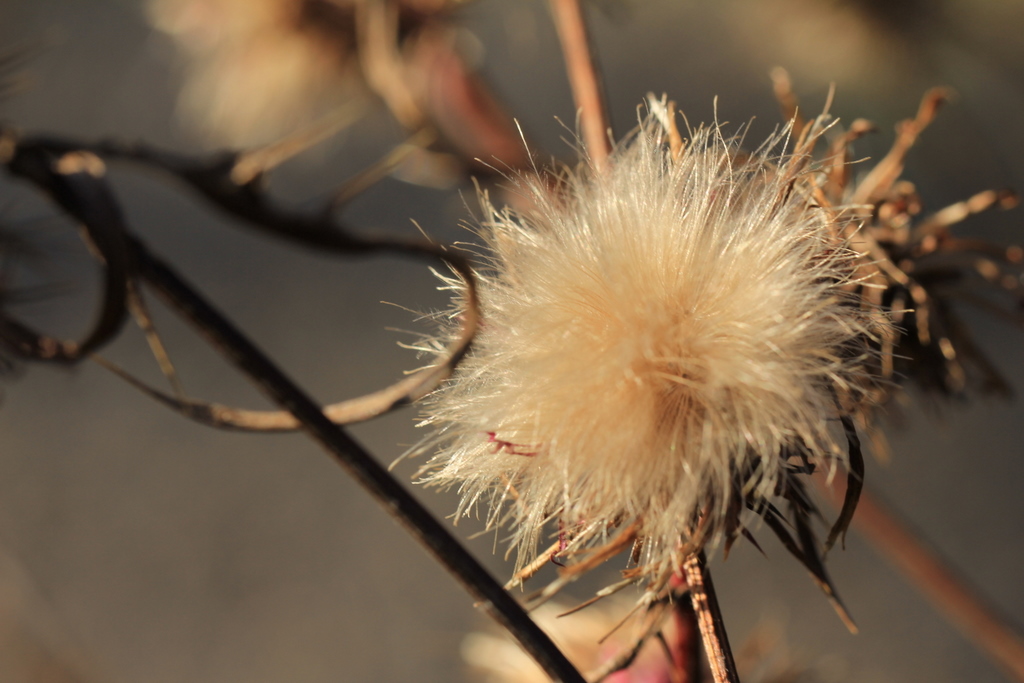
{"points": [[165, 551]]}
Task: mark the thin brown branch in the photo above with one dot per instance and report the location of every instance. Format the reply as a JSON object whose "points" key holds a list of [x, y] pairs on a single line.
{"points": [[939, 222], [140, 311], [583, 77], [882, 176], [253, 164], [788, 102]]}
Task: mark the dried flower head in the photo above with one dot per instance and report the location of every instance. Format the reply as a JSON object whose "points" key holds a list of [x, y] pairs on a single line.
{"points": [[664, 342], [258, 69]]}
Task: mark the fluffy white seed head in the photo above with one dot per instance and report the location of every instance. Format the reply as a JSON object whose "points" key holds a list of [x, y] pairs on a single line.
{"points": [[654, 336]]}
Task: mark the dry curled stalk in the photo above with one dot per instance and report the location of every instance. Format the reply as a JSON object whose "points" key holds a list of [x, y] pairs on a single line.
{"points": [[220, 182]]}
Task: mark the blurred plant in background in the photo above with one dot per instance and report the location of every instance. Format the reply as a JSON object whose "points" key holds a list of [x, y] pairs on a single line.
{"points": [[278, 76], [258, 71]]}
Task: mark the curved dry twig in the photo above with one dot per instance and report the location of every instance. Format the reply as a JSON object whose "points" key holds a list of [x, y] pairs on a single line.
{"points": [[354, 410], [219, 181], [68, 177], [216, 181]]}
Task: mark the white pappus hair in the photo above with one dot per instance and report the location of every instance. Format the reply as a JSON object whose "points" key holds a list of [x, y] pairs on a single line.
{"points": [[656, 336]]}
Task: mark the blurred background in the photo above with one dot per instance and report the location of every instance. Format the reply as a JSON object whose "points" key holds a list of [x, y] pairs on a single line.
{"points": [[138, 546]]}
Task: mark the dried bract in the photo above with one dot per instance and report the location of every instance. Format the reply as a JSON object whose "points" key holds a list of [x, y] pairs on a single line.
{"points": [[917, 268]]}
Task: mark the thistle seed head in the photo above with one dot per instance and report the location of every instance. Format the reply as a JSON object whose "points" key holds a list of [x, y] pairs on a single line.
{"points": [[661, 342]]}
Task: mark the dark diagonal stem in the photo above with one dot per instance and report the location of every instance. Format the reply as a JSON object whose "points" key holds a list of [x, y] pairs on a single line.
{"points": [[357, 462]]}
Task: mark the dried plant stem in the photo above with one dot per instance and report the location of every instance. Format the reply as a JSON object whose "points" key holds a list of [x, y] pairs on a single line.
{"points": [[583, 77], [934, 578], [358, 463], [709, 619]]}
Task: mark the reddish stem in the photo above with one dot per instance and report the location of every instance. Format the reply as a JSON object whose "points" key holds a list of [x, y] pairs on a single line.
{"points": [[932, 576], [709, 619], [582, 72]]}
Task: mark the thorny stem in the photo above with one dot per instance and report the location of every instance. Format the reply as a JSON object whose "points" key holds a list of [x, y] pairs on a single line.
{"points": [[932, 576], [583, 77], [709, 619], [358, 463]]}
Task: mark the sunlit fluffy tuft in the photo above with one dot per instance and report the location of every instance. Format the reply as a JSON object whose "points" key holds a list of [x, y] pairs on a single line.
{"points": [[654, 335]]}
